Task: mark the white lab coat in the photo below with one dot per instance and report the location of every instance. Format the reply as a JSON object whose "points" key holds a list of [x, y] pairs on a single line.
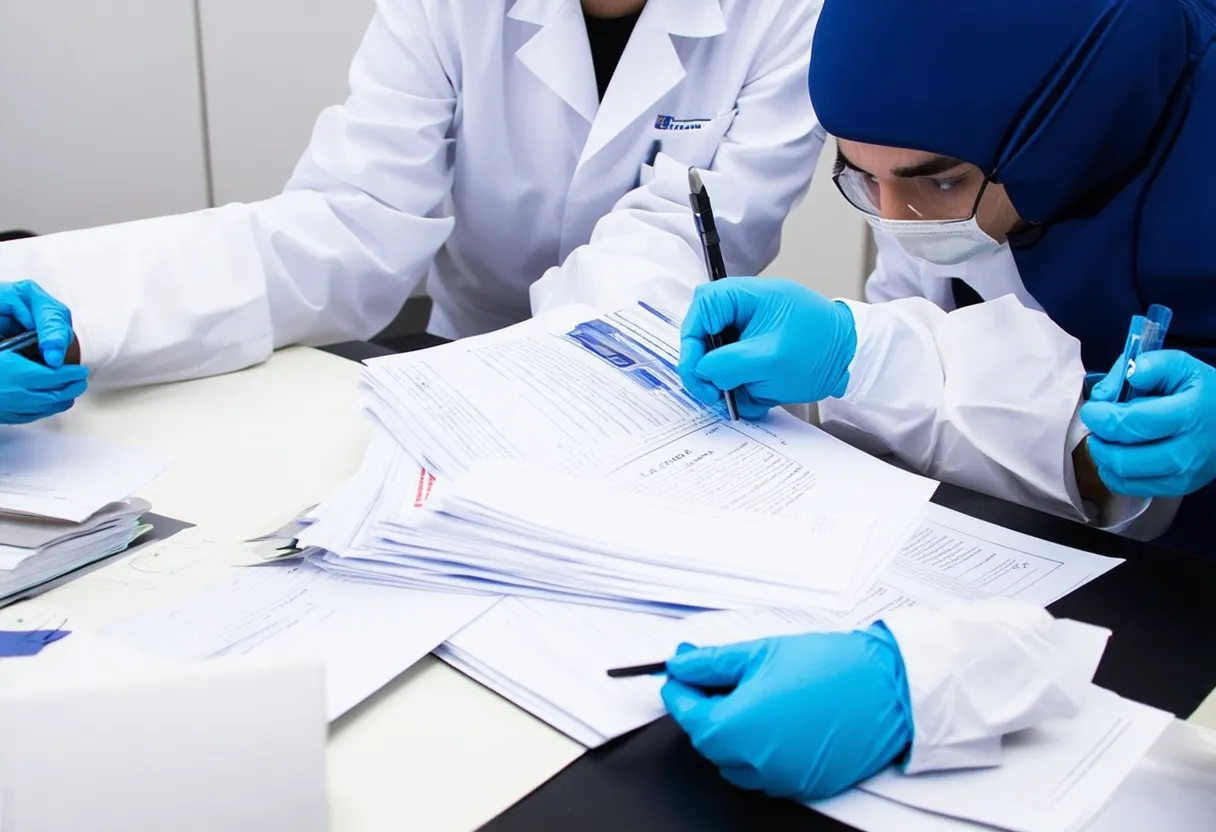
{"points": [[473, 151], [978, 671], [987, 397]]}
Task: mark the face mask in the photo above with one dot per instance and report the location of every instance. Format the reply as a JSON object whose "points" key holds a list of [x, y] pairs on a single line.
{"points": [[941, 242]]}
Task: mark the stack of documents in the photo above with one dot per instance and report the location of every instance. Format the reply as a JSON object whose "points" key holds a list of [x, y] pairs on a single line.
{"points": [[561, 463], [36, 550], [1054, 777], [64, 504], [550, 658], [572, 465]]}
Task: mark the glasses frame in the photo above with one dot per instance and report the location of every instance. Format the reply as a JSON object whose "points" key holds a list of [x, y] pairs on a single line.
{"points": [[840, 169]]}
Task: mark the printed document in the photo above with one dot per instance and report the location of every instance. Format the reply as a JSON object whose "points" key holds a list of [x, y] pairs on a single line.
{"points": [[69, 477], [367, 635]]}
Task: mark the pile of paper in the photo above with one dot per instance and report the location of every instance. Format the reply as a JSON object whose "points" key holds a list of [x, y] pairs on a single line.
{"points": [[64, 504], [572, 465], [550, 658], [560, 463]]}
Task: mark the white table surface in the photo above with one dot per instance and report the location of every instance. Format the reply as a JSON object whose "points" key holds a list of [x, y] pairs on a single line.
{"points": [[433, 751]]}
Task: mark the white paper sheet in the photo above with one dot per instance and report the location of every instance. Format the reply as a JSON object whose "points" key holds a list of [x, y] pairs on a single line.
{"points": [[1166, 790], [500, 648], [950, 557], [69, 477], [551, 658], [366, 635], [1055, 777]]}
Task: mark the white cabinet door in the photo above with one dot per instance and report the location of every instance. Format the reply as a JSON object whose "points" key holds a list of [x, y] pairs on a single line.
{"points": [[100, 112], [270, 67]]}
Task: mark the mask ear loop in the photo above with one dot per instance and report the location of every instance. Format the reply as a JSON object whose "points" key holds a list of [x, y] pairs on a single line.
{"points": [[975, 209]]}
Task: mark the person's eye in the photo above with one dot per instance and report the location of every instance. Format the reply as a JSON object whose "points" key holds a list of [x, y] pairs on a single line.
{"points": [[947, 185]]}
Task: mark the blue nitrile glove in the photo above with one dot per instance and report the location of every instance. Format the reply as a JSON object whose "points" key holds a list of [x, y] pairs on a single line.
{"points": [[794, 345], [1163, 443], [29, 390], [808, 717]]}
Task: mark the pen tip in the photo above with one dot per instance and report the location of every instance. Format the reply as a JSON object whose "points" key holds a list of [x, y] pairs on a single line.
{"points": [[694, 181]]}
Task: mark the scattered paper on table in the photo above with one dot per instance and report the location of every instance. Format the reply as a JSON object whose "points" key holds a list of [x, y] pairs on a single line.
{"points": [[367, 635]]}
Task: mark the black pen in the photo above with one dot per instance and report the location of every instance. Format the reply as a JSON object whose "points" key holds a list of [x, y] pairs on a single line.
{"points": [[658, 669], [638, 670], [707, 230], [19, 342]]}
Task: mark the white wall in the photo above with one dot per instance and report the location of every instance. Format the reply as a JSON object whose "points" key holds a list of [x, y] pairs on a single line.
{"points": [[825, 244], [100, 117], [270, 67]]}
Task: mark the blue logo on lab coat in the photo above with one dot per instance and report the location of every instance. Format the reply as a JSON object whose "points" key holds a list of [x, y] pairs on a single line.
{"points": [[672, 123]]}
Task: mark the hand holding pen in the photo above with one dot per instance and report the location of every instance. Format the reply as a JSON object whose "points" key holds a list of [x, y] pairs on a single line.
{"points": [[34, 380]]}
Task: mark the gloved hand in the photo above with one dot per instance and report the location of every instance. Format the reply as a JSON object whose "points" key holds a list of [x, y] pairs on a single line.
{"points": [[808, 717], [794, 345], [1162, 444], [28, 390]]}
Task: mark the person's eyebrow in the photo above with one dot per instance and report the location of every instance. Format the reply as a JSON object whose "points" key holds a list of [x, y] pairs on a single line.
{"points": [[930, 167]]}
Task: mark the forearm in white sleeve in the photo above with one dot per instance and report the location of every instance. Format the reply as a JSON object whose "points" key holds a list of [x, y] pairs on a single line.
{"points": [[647, 247], [985, 397], [979, 671], [332, 258]]}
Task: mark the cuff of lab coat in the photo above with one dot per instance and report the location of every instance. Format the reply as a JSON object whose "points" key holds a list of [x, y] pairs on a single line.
{"points": [[924, 756], [860, 368], [978, 671], [1118, 513]]}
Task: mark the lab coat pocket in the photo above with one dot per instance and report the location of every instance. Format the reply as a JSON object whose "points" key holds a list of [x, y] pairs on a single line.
{"points": [[693, 142]]}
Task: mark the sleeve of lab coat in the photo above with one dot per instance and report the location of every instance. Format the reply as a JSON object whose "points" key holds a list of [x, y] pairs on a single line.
{"points": [[979, 671], [985, 397], [332, 258], [647, 247]]}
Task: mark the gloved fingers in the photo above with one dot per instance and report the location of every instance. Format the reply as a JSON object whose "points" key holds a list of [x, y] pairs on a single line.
{"points": [[1178, 485], [716, 667], [29, 412], [692, 350], [51, 319], [719, 305], [1104, 387], [689, 707], [743, 777], [1141, 420], [44, 403], [746, 361], [69, 391], [1164, 372], [750, 407], [14, 306], [1163, 458], [22, 374]]}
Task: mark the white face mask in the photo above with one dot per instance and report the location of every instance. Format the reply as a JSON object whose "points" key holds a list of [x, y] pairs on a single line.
{"points": [[942, 242]]}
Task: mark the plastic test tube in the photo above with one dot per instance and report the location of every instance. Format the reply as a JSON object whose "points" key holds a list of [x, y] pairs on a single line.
{"points": [[1146, 333]]}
